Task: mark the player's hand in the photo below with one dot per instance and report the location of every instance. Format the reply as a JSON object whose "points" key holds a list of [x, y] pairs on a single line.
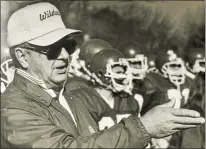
{"points": [[163, 120]]}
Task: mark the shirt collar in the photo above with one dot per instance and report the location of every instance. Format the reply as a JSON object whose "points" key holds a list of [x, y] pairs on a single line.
{"points": [[38, 82]]}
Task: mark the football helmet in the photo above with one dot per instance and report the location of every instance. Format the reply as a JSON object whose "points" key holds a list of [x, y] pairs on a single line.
{"points": [[7, 73], [171, 66], [134, 55], [151, 63], [88, 50], [111, 71], [195, 59]]}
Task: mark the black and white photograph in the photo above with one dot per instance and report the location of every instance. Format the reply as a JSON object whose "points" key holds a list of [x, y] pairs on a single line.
{"points": [[102, 74]]}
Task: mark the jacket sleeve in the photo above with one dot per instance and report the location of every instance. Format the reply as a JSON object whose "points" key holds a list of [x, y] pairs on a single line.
{"points": [[25, 129]]}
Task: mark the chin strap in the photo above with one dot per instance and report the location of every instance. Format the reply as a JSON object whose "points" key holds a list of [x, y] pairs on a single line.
{"points": [[190, 74]]}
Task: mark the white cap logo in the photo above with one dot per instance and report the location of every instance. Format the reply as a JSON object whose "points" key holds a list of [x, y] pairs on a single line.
{"points": [[48, 14]]}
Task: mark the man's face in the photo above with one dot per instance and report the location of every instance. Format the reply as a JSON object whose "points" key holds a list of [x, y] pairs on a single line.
{"points": [[52, 67], [122, 78], [120, 70]]}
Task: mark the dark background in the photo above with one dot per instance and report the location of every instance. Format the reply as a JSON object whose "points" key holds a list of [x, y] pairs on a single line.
{"points": [[157, 25]]}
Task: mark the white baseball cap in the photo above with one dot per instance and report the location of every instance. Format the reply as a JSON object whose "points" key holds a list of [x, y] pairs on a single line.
{"points": [[39, 24]]}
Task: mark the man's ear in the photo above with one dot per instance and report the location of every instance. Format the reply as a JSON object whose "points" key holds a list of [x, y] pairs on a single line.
{"points": [[22, 57]]}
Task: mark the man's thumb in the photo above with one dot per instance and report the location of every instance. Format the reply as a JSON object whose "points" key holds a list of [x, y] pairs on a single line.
{"points": [[169, 104]]}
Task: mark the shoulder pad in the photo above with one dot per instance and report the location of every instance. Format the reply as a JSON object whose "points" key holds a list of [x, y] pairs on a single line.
{"points": [[159, 82], [189, 82], [148, 86]]}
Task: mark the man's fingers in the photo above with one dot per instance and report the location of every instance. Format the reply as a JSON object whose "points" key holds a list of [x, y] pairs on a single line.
{"points": [[189, 120], [183, 126], [186, 112]]}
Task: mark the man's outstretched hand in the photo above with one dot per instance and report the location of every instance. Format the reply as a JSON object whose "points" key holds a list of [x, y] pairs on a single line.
{"points": [[164, 120]]}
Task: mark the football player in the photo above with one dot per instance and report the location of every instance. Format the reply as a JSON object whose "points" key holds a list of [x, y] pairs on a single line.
{"points": [[82, 78], [195, 64], [140, 66], [167, 83], [113, 76], [195, 83], [195, 60], [134, 53], [89, 65]]}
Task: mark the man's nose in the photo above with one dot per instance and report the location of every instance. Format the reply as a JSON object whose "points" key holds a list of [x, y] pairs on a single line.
{"points": [[64, 54], [125, 81]]}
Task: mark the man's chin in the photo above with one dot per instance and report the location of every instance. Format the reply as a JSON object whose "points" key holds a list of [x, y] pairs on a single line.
{"points": [[60, 80]]}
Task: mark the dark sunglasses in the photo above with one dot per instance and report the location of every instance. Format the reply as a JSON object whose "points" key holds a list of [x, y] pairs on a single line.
{"points": [[54, 50]]}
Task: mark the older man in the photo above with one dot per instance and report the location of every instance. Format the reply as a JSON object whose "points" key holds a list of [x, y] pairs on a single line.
{"points": [[38, 111]]}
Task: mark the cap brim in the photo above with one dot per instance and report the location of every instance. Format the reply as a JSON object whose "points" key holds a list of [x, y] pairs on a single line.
{"points": [[52, 37]]}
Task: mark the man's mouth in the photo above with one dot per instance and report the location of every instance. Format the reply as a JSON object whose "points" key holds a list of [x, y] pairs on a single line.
{"points": [[62, 69], [177, 75]]}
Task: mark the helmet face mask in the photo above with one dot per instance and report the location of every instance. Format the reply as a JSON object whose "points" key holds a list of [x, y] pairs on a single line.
{"points": [[138, 66], [77, 67], [152, 68], [74, 66], [175, 71], [199, 65], [120, 76], [7, 74], [84, 67]]}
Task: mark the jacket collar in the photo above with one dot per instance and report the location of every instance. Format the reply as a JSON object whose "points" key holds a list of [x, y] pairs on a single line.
{"points": [[32, 89]]}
